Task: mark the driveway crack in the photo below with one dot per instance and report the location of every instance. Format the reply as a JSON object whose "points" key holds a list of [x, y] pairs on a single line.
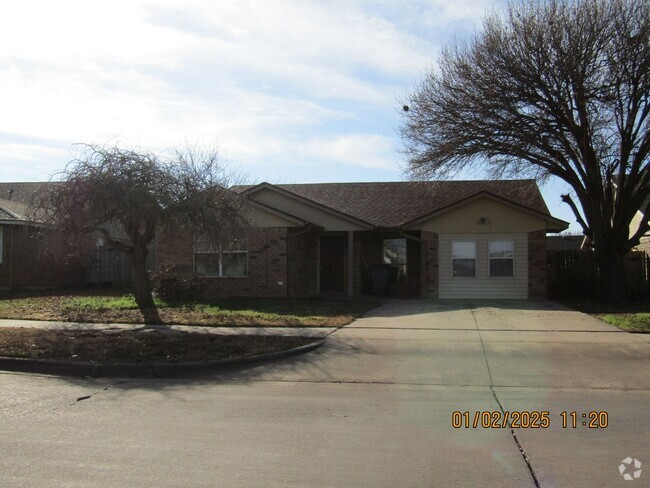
{"points": [[522, 451]]}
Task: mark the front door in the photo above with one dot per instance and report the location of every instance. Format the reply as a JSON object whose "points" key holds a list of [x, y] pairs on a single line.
{"points": [[332, 264]]}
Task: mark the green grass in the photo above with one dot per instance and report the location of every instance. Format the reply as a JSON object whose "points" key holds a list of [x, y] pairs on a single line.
{"points": [[109, 306], [632, 322], [100, 303]]}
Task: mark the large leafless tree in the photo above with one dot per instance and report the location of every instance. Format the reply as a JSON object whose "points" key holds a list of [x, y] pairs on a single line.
{"points": [[125, 196], [549, 88]]}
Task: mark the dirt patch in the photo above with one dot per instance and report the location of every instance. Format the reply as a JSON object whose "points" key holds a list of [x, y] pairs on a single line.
{"points": [[137, 346], [112, 308]]}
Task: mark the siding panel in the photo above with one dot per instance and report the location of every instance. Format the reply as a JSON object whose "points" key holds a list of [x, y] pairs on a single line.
{"points": [[483, 286]]}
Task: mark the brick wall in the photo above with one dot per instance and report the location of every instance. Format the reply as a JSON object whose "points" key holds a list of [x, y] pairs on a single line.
{"points": [[27, 263], [302, 263], [537, 282], [267, 264], [413, 267], [429, 256]]}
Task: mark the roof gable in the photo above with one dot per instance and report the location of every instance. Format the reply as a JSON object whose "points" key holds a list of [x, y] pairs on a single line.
{"points": [[392, 204], [311, 211]]}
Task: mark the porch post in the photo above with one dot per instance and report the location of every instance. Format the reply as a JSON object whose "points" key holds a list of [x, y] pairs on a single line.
{"points": [[350, 263], [318, 264]]}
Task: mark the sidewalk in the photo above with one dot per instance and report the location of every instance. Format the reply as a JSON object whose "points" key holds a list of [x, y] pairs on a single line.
{"points": [[155, 369]]}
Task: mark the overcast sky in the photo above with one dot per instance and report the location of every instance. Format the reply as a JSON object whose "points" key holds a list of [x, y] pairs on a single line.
{"points": [[287, 91]]}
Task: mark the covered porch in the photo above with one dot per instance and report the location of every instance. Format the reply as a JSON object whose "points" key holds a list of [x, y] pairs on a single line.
{"points": [[348, 263]]}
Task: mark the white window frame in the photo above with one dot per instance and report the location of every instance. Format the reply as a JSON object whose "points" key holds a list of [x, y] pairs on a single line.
{"points": [[491, 258], [221, 253], [451, 254]]}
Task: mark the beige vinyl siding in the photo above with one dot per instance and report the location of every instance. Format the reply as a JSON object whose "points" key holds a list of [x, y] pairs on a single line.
{"points": [[259, 217], [483, 286], [483, 216]]}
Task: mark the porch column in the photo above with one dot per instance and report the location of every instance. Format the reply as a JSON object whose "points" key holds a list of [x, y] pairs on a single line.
{"points": [[318, 264], [350, 263]]}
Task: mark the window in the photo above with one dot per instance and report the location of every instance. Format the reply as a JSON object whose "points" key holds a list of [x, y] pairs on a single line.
{"points": [[502, 258], [221, 260], [395, 255], [2, 249], [463, 258]]}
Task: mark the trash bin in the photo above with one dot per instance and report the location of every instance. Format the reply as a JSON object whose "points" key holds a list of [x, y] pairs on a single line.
{"points": [[382, 276]]}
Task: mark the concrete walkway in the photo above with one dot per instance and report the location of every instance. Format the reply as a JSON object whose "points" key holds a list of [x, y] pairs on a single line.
{"points": [[373, 407]]}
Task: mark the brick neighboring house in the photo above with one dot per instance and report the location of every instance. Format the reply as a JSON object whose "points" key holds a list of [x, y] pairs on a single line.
{"points": [[446, 239], [23, 262]]}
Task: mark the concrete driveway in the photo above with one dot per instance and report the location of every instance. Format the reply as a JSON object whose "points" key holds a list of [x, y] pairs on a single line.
{"points": [[371, 408]]}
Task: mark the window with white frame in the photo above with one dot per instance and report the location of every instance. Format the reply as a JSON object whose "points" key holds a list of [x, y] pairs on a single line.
{"points": [[463, 258], [221, 260], [502, 258]]}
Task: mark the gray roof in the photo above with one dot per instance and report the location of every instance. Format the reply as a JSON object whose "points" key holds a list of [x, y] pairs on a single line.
{"points": [[396, 203], [15, 199]]}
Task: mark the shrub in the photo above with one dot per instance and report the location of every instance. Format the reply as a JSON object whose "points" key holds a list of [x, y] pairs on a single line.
{"points": [[174, 288]]}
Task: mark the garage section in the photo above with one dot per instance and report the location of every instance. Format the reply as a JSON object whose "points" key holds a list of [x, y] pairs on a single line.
{"points": [[483, 265]]}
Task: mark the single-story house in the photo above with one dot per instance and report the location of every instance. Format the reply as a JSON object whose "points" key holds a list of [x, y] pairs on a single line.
{"points": [[446, 239], [24, 261]]}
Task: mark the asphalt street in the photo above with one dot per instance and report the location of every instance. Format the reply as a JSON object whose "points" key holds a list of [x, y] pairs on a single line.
{"points": [[373, 407]]}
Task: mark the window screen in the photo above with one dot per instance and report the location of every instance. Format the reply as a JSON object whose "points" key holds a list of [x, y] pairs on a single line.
{"points": [[463, 258], [502, 258]]}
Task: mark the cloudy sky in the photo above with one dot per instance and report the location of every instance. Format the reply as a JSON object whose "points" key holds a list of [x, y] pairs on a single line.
{"points": [[288, 91]]}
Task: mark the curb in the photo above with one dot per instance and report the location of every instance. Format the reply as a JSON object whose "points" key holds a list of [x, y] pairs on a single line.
{"points": [[143, 370]]}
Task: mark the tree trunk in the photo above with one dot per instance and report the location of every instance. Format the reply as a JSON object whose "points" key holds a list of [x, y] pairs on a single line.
{"points": [[142, 287], [612, 278]]}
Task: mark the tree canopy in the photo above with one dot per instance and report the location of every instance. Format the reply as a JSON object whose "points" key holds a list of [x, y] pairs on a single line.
{"points": [[548, 88], [125, 196]]}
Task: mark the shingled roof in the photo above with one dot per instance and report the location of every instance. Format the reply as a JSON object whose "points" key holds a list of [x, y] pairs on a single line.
{"points": [[15, 198], [396, 203]]}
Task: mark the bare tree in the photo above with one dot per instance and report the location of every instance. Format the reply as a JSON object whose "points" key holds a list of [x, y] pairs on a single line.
{"points": [[551, 88], [125, 196]]}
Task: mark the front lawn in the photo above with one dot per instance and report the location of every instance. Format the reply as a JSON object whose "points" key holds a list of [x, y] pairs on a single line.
{"points": [[632, 322], [631, 317], [102, 306], [137, 346]]}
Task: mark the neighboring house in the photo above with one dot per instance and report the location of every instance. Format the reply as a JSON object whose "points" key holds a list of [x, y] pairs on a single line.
{"points": [[24, 262], [644, 245], [446, 239]]}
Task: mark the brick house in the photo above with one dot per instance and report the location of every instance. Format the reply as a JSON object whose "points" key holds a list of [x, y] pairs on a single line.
{"points": [[24, 262], [446, 239]]}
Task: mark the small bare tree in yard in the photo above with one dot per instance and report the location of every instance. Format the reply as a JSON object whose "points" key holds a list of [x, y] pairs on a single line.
{"points": [[552, 88], [124, 196]]}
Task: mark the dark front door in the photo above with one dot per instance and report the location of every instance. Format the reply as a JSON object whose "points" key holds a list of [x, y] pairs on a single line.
{"points": [[332, 249]]}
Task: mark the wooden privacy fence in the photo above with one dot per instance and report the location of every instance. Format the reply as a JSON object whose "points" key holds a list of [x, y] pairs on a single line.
{"points": [[105, 266], [575, 274]]}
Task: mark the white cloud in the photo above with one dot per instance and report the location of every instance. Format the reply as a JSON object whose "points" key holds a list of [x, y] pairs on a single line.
{"points": [[363, 150], [265, 81]]}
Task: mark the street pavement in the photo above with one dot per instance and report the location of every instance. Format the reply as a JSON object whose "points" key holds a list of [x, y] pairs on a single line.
{"points": [[373, 407]]}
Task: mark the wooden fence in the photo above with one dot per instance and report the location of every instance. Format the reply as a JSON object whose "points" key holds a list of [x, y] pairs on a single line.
{"points": [[575, 274], [107, 267]]}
